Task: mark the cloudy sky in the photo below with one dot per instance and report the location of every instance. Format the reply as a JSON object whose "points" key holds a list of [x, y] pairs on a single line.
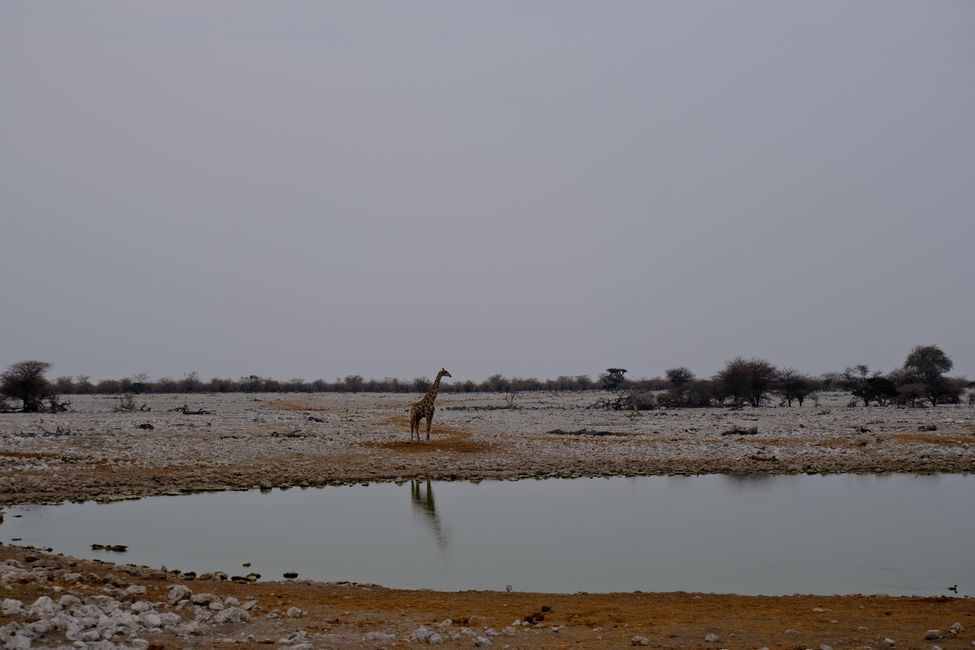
{"points": [[536, 188]]}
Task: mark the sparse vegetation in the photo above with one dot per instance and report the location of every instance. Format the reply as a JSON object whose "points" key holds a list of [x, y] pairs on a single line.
{"points": [[742, 382]]}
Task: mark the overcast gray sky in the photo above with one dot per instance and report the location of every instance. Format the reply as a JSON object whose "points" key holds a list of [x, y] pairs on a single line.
{"points": [[311, 189]]}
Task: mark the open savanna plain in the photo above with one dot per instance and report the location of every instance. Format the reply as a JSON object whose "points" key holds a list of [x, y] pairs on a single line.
{"points": [[178, 444]]}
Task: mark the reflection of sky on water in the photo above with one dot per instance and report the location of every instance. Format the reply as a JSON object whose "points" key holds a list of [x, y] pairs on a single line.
{"points": [[895, 533]]}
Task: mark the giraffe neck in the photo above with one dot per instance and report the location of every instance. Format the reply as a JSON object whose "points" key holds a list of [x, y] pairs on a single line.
{"points": [[432, 395]]}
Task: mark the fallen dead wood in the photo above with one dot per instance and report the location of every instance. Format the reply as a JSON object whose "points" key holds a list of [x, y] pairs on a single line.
{"points": [[583, 432]]}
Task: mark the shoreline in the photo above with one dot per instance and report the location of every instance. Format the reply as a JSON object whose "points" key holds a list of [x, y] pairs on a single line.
{"points": [[173, 612]]}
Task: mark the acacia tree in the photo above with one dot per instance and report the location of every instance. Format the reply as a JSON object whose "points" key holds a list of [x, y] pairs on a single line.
{"points": [[25, 381], [613, 378], [747, 380], [792, 385], [679, 379], [927, 364]]}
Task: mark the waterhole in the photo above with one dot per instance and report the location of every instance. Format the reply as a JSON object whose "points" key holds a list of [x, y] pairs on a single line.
{"points": [[895, 534]]}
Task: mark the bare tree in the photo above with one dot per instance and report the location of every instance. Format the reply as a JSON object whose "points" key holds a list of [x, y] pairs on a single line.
{"points": [[794, 386], [747, 380]]}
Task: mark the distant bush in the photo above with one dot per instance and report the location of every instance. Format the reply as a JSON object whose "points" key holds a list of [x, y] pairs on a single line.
{"points": [[747, 380]]}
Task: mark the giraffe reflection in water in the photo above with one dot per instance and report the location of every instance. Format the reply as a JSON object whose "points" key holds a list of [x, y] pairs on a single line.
{"points": [[422, 497]]}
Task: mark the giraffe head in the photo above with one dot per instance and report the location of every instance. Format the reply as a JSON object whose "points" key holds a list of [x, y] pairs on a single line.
{"points": [[443, 373]]}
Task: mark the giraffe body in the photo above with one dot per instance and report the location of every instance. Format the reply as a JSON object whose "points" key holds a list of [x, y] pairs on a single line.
{"points": [[425, 407]]}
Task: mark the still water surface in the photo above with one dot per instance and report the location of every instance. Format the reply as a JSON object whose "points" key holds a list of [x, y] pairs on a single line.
{"points": [[896, 534]]}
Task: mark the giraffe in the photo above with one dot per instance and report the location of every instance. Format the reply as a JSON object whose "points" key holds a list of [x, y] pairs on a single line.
{"points": [[424, 408]]}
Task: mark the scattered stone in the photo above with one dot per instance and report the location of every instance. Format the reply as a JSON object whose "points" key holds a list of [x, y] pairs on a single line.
{"points": [[295, 612], [203, 599], [421, 634], [43, 607], [890, 643], [11, 606], [712, 638], [178, 593], [932, 635], [792, 633], [380, 637], [231, 615], [481, 642], [639, 640], [956, 629]]}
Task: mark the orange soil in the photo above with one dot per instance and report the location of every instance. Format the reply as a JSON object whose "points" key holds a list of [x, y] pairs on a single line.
{"points": [[668, 620]]}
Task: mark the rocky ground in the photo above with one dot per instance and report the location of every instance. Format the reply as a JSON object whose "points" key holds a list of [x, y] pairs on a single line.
{"points": [[246, 441], [243, 441], [54, 601]]}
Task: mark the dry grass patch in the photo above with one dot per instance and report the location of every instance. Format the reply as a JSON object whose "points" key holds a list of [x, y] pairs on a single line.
{"points": [[290, 405], [933, 438], [457, 445], [457, 440], [27, 454]]}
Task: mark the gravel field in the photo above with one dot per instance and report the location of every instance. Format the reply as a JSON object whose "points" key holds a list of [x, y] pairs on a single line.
{"points": [[276, 440]]}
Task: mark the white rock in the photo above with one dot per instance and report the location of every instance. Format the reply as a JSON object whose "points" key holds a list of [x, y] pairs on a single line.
{"points": [[249, 605], [178, 593], [140, 606], [381, 637], [231, 615], [91, 635], [825, 647], [295, 612], [230, 601], [203, 599], [68, 600], [421, 634], [956, 629], [43, 606], [932, 635], [481, 642], [150, 619], [18, 642], [11, 606], [889, 642], [639, 640], [435, 639], [445, 623], [712, 638]]}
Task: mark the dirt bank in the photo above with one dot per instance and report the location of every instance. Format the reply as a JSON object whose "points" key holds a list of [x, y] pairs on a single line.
{"points": [[348, 615]]}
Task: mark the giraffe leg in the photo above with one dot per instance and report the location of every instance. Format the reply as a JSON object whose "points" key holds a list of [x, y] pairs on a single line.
{"points": [[429, 424]]}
